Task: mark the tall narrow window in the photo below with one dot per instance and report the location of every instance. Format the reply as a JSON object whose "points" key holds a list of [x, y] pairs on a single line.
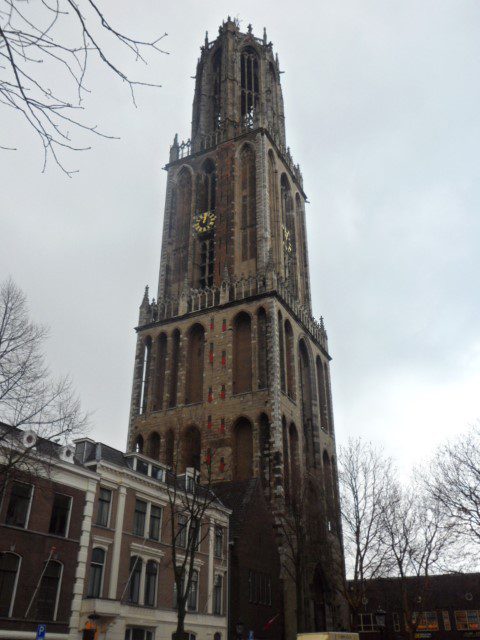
{"points": [[329, 495], [290, 360], [48, 592], [294, 459], [288, 234], [96, 573], [217, 596], [322, 395], [9, 566], [306, 395], [150, 583], [217, 102], [169, 447], [243, 450], [160, 371], [155, 522], [192, 448], [19, 504], [153, 445], [286, 458], [273, 203], [250, 92], [182, 531], [262, 349], [60, 514], [242, 353], [265, 450], [205, 204], [138, 446], [281, 341], [147, 351], [139, 518], [193, 594], [183, 214], [175, 357], [195, 364], [135, 574], [103, 512], [248, 203], [218, 541]]}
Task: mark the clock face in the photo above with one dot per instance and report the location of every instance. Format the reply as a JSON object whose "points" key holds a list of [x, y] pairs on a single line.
{"points": [[287, 241], [204, 222]]}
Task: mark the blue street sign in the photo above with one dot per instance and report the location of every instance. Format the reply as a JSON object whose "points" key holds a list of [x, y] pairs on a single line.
{"points": [[41, 632]]}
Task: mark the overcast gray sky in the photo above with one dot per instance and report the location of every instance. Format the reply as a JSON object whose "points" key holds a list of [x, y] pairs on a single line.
{"points": [[382, 103]]}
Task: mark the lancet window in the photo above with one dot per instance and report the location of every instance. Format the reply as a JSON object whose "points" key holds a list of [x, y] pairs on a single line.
{"points": [[248, 203], [217, 102], [250, 88]]}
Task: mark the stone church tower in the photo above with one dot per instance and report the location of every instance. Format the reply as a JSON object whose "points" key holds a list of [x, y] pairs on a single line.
{"points": [[230, 364]]}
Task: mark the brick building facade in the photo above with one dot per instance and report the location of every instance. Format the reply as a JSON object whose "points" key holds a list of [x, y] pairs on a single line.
{"points": [[447, 609], [44, 533], [230, 363], [129, 587]]}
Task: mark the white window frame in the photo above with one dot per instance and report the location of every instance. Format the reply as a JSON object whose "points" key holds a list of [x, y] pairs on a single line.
{"points": [[218, 575], [105, 549], [109, 507], [59, 589], [69, 515], [15, 582], [29, 508], [149, 513], [143, 580]]}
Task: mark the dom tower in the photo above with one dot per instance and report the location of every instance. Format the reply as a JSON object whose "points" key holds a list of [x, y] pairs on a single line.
{"points": [[230, 364]]}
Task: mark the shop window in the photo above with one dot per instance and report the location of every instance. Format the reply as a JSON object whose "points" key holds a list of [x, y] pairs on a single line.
{"points": [[446, 621], [366, 622], [467, 620]]}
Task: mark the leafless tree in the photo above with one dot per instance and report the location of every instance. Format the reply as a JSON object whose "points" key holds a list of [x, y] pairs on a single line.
{"points": [[418, 537], [30, 398], [364, 479], [453, 480], [190, 497], [45, 51]]}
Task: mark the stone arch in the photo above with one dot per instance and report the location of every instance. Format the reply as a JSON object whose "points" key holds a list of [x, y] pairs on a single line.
{"points": [[169, 447], [242, 353], [191, 447], [174, 365], [262, 348], [281, 341], [138, 444], [307, 398], [248, 203], [290, 359], [243, 449], [145, 385], [160, 368], [195, 364], [153, 445], [265, 450]]}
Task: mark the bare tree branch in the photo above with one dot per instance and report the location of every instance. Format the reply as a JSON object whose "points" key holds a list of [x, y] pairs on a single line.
{"points": [[33, 47]]}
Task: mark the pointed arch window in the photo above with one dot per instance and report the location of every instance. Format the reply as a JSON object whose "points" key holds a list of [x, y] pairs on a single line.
{"points": [[169, 447], [307, 397], [250, 86], [290, 359], [183, 212], [248, 203], [281, 341], [288, 233], [153, 445]]}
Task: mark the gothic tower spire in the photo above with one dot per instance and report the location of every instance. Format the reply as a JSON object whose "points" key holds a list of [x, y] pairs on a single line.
{"points": [[230, 364]]}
